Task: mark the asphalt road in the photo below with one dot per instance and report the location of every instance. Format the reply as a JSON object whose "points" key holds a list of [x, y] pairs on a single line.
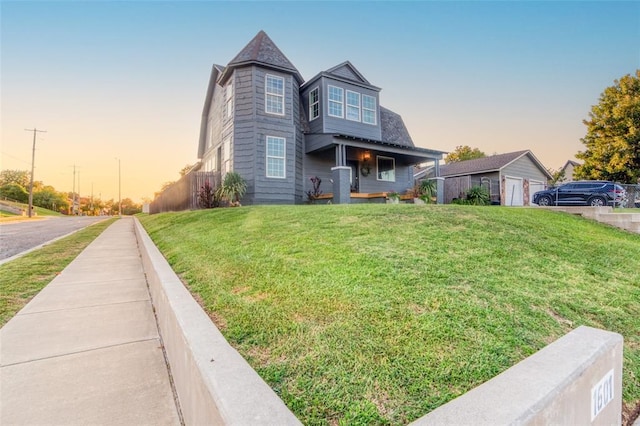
{"points": [[17, 237]]}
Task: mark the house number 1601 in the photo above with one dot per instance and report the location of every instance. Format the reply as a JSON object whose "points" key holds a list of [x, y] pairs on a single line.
{"points": [[601, 394]]}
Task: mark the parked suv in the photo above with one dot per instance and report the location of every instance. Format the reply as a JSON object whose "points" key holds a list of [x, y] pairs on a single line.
{"points": [[582, 193]]}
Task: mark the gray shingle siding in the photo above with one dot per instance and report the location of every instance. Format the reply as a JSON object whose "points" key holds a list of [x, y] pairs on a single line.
{"points": [[525, 168], [310, 145]]}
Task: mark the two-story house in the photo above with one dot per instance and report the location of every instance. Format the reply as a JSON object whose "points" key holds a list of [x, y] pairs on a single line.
{"points": [[263, 121]]}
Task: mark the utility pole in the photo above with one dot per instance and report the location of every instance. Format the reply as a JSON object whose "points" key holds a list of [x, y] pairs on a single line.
{"points": [[73, 193], [33, 160]]}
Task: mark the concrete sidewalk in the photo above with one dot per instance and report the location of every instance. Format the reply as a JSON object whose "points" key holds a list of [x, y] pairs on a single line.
{"points": [[86, 349]]}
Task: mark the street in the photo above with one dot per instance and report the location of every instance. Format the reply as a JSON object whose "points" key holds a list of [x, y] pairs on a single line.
{"points": [[16, 237]]}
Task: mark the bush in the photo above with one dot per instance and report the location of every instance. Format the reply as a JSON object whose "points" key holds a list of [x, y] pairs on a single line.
{"points": [[478, 196], [233, 188], [15, 192], [208, 196]]}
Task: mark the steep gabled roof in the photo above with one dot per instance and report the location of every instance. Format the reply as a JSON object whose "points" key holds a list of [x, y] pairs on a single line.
{"points": [[345, 72], [348, 71], [393, 129], [261, 50], [492, 163]]}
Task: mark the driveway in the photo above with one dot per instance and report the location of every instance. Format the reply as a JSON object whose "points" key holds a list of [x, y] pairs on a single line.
{"points": [[17, 237]]}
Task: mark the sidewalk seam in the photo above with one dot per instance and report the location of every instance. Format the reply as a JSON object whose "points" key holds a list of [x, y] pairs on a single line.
{"points": [[84, 307], [80, 352]]}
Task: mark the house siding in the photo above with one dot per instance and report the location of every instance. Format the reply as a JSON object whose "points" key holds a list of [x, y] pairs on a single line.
{"points": [[342, 125], [525, 169], [214, 126], [259, 125]]}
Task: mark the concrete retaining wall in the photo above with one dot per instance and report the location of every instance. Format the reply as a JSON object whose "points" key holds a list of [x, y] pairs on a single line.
{"points": [[215, 385], [627, 221], [576, 380]]}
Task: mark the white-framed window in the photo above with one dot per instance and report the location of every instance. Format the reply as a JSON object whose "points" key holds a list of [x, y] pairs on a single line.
{"points": [[314, 104], [369, 109], [386, 168], [276, 157], [228, 108], [353, 106], [274, 94], [336, 101]]}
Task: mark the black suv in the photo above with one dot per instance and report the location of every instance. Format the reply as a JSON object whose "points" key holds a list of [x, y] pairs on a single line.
{"points": [[582, 193]]}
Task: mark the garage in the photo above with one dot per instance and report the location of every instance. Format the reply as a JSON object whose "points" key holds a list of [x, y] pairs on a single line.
{"points": [[514, 191]]}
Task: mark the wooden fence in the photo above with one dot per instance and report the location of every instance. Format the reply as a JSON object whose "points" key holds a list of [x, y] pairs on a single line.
{"points": [[183, 194]]}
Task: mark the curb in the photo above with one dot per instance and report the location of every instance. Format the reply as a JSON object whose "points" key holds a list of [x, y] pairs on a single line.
{"points": [[214, 384]]}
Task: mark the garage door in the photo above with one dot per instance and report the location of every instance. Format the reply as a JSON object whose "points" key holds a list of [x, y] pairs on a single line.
{"points": [[534, 186], [514, 191]]}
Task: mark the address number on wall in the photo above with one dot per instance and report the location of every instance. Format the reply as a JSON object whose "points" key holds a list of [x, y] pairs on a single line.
{"points": [[601, 394]]}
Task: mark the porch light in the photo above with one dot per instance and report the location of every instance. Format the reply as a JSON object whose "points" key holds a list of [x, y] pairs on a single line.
{"points": [[366, 156]]}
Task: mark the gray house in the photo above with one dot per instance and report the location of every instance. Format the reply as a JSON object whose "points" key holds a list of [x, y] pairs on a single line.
{"points": [[511, 178], [263, 121]]}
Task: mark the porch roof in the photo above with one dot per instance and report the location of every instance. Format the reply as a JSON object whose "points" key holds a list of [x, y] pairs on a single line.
{"points": [[415, 154]]}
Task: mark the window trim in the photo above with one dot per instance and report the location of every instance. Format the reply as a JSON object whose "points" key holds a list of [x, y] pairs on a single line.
{"points": [[359, 106], [228, 104], [267, 157], [374, 110], [341, 102], [267, 94], [378, 157], [316, 103]]}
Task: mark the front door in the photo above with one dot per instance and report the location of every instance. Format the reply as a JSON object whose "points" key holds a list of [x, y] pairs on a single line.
{"points": [[355, 176]]}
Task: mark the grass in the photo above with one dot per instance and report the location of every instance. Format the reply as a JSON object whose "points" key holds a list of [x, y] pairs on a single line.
{"points": [[40, 211], [377, 314], [23, 278]]}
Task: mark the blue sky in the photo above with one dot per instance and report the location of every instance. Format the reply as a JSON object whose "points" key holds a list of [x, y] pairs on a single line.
{"points": [[127, 79]]}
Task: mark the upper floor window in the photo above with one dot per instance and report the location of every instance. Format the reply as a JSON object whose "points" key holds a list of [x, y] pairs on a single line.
{"points": [[228, 108], [368, 109], [386, 168], [274, 94], [276, 157], [353, 106], [314, 104], [336, 101]]}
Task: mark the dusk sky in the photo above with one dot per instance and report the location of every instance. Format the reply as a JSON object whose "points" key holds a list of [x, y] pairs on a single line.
{"points": [[127, 80]]}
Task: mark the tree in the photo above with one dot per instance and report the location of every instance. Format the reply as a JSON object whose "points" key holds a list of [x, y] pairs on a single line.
{"points": [[613, 134], [19, 177], [51, 199], [463, 153], [186, 169], [14, 192], [557, 176]]}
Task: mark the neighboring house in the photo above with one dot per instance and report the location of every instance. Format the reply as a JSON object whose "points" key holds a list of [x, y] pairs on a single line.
{"points": [[511, 178], [263, 121], [568, 168]]}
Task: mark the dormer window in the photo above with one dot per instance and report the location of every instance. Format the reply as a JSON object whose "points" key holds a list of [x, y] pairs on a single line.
{"points": [[314, 104], [369, 109], [353, 106], [336, 102], [274, 94]]}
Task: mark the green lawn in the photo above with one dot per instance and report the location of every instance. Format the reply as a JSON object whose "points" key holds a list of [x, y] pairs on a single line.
{"points": [[7, 216], [24, 277], [377, 314]]}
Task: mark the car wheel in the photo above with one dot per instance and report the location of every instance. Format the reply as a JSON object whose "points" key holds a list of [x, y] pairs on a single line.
{"points": [[544, 201], [597, 202]]}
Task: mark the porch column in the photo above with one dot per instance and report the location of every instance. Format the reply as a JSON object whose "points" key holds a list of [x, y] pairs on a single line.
{"points": [[341, 155], [341, 184], [439, 189]]}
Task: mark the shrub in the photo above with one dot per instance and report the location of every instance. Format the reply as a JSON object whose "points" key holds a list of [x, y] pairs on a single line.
{"points": [[208, 196], [233, 188], [478, 196]]}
